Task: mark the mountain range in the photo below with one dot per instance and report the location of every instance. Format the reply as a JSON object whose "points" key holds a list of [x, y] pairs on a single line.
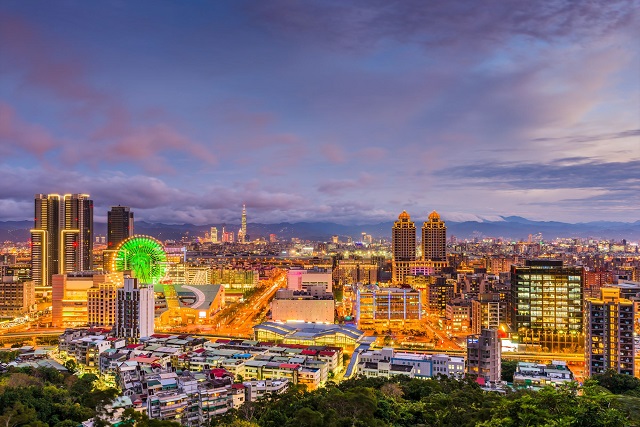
{"points": [[510, 227]]}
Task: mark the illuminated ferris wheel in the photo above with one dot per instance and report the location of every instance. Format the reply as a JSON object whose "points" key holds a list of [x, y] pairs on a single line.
{"points": [[144, 256]]}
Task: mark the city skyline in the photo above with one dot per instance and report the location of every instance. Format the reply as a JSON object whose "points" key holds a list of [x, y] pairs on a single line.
{"points": [[348, 112]]}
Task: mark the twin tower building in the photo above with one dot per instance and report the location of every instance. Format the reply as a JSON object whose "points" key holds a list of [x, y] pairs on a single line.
{"points": [[404, 250], [62, 236]]}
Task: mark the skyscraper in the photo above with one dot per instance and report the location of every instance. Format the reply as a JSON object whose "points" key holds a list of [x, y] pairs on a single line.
{"points": [[242, 234], [403, 246], [546, 304], [76, 234], [44, 241], [434, 239], [119, 225], [609, 341], [214, 235], [62, 237]]}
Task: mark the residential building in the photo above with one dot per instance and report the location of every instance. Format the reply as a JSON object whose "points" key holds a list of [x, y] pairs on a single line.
{"points": [[17, 297], [134, 310], [609, 333], [434, 238], [403, 247], [484, 356], [538, 375]]}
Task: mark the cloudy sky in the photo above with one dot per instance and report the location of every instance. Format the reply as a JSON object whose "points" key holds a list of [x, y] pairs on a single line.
{"points": [[346, 111]]}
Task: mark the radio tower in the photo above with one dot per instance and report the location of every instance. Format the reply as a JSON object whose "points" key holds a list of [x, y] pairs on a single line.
{"points": [[243, 228]]}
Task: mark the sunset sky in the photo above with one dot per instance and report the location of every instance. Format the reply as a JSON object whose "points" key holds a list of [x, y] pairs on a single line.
{"points": [[342, 111]]}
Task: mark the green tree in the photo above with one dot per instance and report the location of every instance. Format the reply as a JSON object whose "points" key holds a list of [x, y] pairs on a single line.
{"points": [[71, 366], [508, 369]]}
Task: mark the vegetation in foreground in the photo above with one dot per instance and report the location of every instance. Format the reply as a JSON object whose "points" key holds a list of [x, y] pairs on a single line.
{"points": [[443, 402], [45, 397]]}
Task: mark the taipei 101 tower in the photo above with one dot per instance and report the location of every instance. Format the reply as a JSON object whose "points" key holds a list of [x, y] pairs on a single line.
{"points": [[242, 235]]}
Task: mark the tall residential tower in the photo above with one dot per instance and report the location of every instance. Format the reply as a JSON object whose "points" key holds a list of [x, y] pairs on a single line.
{"points": [[403, 246], [434, 239]]}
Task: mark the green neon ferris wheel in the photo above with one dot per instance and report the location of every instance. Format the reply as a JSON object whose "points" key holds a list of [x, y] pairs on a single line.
{"points": [[144, 256]]}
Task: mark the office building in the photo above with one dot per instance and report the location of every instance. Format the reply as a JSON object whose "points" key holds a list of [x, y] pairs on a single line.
{"points": [[119, 225], [483, 356], [387, 308], [62, 237], [609, 342], [45, 245], [76, 236], [242, 234], [214, 235], [434, 238], [134, 310], [17, 297], [547, 305], [403, 247]]}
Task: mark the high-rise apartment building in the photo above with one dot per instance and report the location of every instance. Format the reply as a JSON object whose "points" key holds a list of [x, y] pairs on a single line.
{"points": [[134, 310], [434, 238], [547, 305], [483, 355], [62, 237], [609, 342], [119, 225], [403, 247], [101, 304]]}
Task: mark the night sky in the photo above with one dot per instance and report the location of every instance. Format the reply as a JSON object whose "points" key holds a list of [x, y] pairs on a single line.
{"points": [[342, 111]]}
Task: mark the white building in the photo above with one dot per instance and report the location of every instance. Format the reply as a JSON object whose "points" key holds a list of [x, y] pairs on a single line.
{"points": [[134, 310], [301, 280], [387, 362]]}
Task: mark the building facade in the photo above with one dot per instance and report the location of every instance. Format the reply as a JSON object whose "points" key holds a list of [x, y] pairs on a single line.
{"points": [[119, 225], [61, 238], [17, 297], [134, 310], [547, 305], [434, 238], [609, 326], [306, 306], [483, 355], [387, 308], [403, 247]]}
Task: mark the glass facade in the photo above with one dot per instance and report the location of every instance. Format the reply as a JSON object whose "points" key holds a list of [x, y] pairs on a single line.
{"points": [[547, 305]]}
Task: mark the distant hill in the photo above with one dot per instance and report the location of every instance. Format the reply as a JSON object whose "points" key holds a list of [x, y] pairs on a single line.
{"points": [[511, 227]]}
